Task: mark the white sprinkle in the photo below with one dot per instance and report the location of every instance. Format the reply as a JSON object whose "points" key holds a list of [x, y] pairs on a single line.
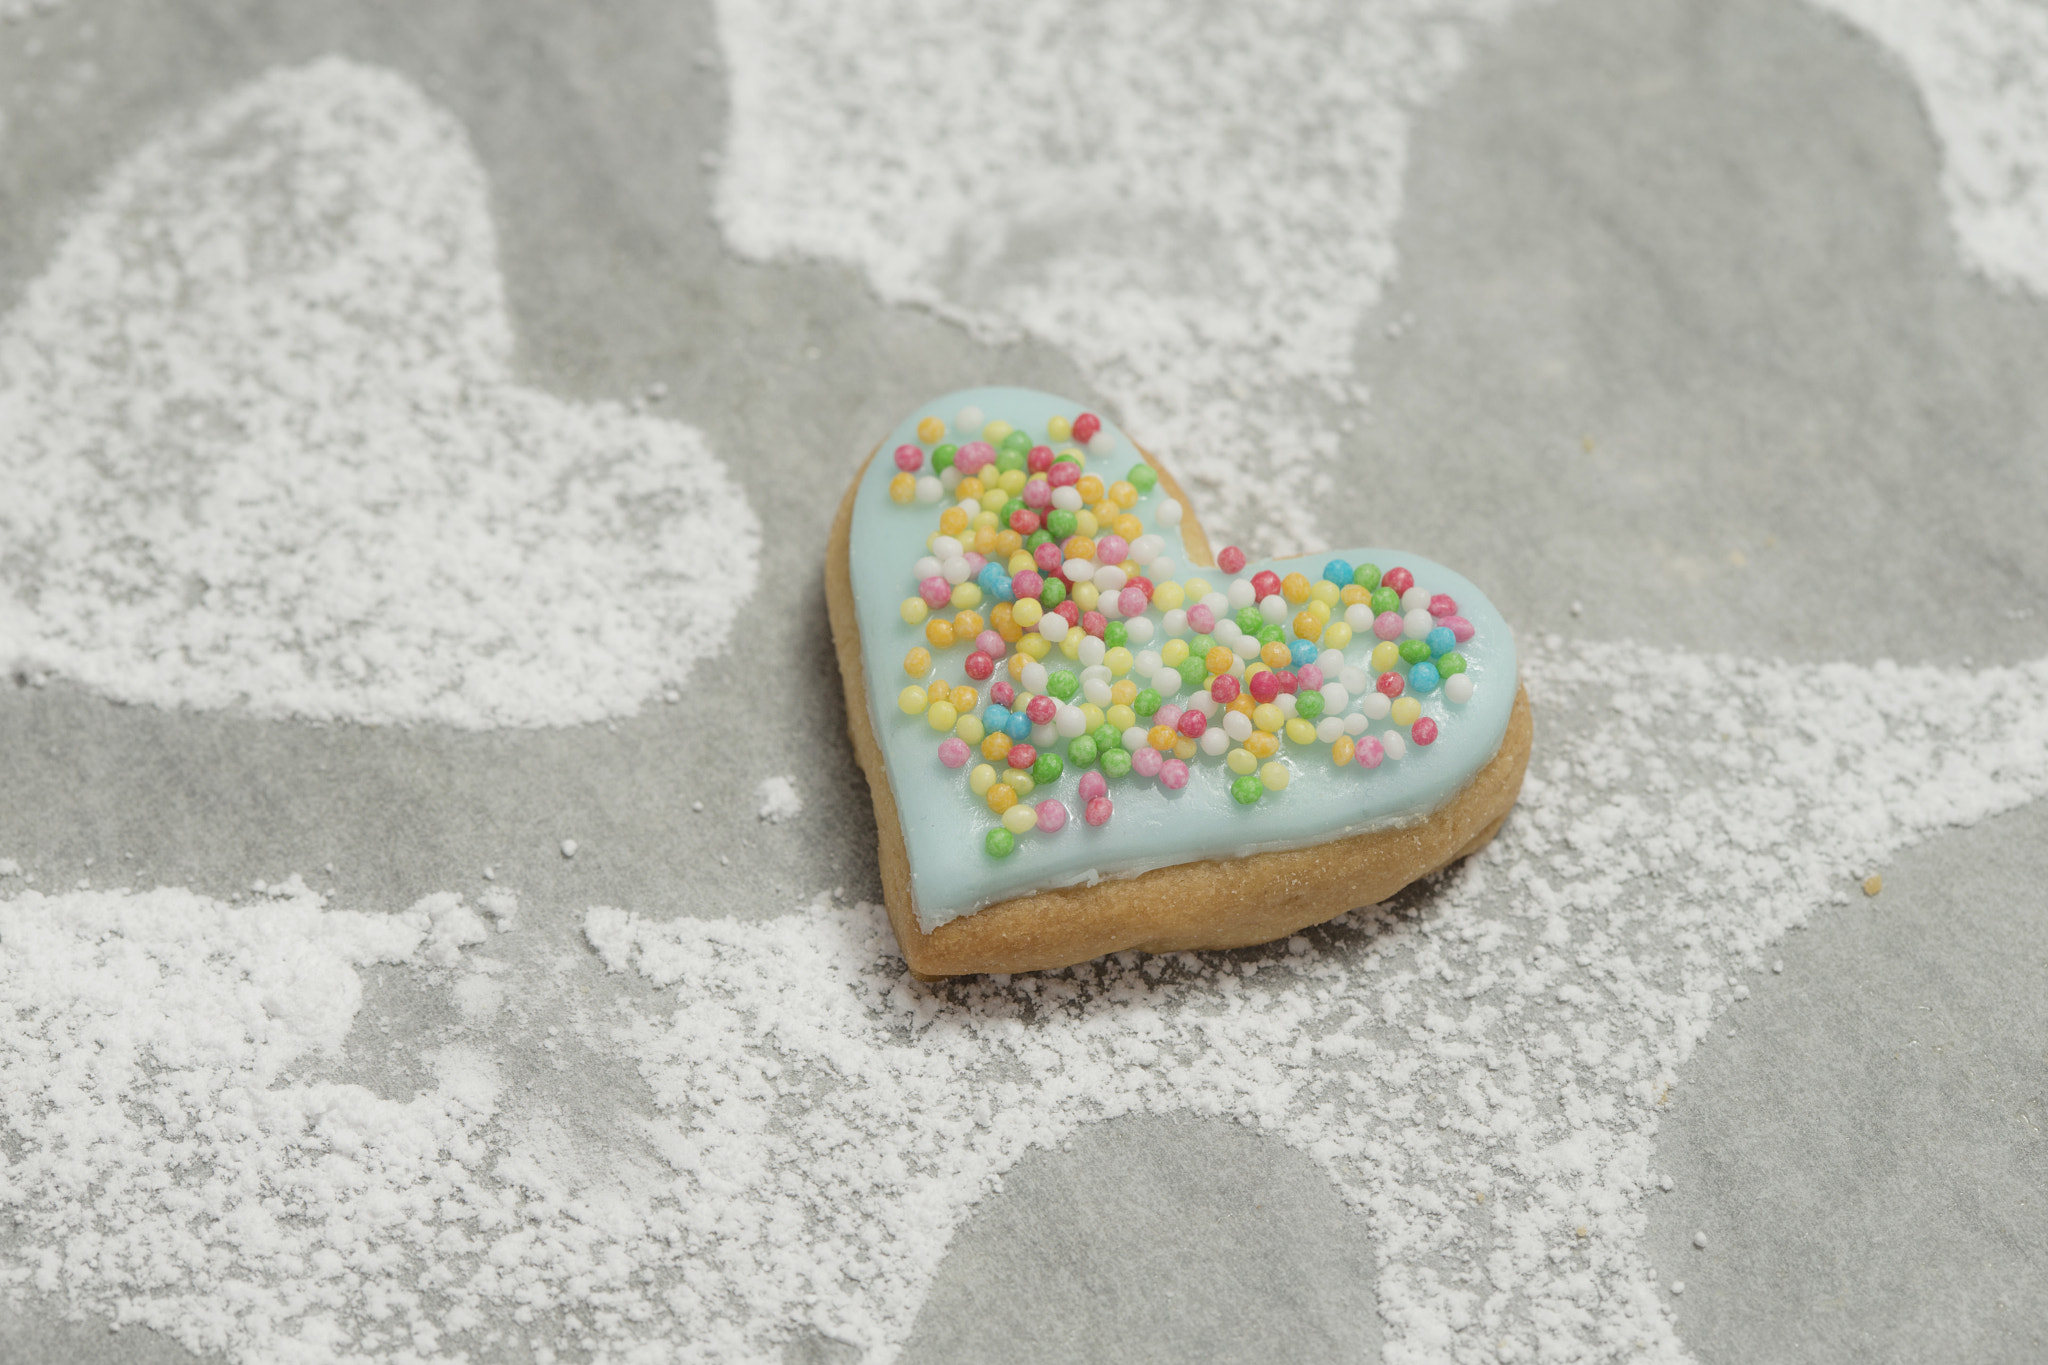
{"points": [[568, 848]]}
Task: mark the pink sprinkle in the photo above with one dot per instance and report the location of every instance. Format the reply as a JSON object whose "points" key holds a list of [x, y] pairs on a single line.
{"points": [[1264, 686], [1052, 817], [1131, 601], [973, 457], [1070, 611], [1443, 604], [953, 752], [1039, 460], [1173, 774], [909, 459], [1147, 762], [1370, 752], [935, 591], [1085, 427], [1192, 724], [980, 666], [1038, 493], [1027, 584], [1064, 475], [1200, 619], [1002, 694], [1400, 580], [1388, 624], [1460, 627], [1111, 549], [1048, 557], [1022, 755], [1391, 684], [1230, 559], [1093, 784], [1424, 730], [1167, 714], [1223, 688], [1311, 678], [1099, 810], [991, 644], [1289, 681], [976, 562], [1093, 622], [1041, 710]]}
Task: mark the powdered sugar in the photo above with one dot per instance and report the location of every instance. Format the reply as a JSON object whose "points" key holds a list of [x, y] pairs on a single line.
{"points": [[264, 447], [1982, 70], [819, 1124], [778, 800], [1195, 204]]}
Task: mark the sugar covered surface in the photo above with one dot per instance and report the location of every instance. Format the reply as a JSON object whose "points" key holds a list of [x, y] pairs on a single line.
{"points": [[810, 1127], [264, 447]]}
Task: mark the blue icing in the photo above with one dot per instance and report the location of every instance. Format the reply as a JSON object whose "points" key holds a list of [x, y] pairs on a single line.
{"points": [[944, 823]]}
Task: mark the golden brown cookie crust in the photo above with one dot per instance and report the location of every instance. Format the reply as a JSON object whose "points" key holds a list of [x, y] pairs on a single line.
{"points": [[1216, 903]]}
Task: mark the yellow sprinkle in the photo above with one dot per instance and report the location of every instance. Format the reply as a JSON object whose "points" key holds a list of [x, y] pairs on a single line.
{"points": [[930, 430], [1019, 818], [981, 779], [1405, 710], [1301, 731], [1275, 776], [1872, 884], [1242, 762]]}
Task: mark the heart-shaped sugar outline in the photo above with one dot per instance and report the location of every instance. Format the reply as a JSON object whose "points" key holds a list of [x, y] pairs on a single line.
{"points": [[939, 753]]}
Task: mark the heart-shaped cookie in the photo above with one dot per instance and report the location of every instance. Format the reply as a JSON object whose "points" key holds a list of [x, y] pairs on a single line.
{"points": [[1084, 732]]}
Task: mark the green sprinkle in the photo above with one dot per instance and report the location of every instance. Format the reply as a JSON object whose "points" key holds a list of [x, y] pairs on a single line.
{"points": [[1448, 664], [1199, 647], [1193, 672], [942, 458], [1081, 751], [1016, 443], [1060, 522], [1011, 508], [1115, 633], [1009, 460], [1115, 762], [999, 842], [1415, 651], [1061, 684], [1036, 539], [1366, 576], [1245, 790], [1053, 593], [1273, 634], [1250, 621], [1107, 738], [1309, 704], [1047, 769], [1146, 702], [1385, 600], [1069, 457], [1143, 477]]}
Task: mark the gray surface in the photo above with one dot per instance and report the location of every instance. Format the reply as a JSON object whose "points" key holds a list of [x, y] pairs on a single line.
{"points": [[1689, 335]]}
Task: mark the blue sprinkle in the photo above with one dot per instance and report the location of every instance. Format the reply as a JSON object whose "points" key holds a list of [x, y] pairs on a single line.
{"points": [[1423, 677], [1441, 640], [997, 717], [1338, 572], [1019, 726], [994, 582], [1304, 651]]}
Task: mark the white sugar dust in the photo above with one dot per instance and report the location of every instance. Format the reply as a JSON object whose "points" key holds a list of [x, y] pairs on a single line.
{"points": [[790, 1130], [777, 800], [264, 448]]}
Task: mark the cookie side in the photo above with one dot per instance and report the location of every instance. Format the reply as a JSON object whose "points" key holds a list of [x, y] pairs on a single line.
{"points": [[1225, 903]]}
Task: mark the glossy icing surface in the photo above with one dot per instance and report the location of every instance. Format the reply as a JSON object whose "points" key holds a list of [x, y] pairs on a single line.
{"points": [[944, 822]]}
